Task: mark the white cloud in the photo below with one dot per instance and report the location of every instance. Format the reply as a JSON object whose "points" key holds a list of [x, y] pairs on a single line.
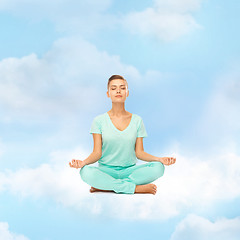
{"points": [[5, 234], [223, 105], [64, 81], [2, 148], [68, 16], [55, 180], [217, 127], [182, 6], [178, 189], [198, 228], [166, 20]]}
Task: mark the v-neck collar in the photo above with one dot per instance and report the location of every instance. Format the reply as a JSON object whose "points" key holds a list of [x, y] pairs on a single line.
{"points": [[114, 125]]}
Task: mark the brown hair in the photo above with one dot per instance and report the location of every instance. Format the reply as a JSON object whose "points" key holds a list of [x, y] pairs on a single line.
{"points": [[113, 77]]}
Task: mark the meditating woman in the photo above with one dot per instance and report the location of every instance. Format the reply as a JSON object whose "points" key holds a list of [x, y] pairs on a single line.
{"points": [[118, 142]]}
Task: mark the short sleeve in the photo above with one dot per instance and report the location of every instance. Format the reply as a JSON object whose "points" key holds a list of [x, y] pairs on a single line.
{"points": [[141, 131], [95, 127]]}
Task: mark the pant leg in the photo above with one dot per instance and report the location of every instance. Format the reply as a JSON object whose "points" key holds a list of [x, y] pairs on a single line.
{"points": [[106, 179], [144, 173]]}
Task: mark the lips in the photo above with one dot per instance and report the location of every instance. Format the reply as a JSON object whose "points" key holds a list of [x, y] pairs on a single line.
{"points": [[118, 96]]}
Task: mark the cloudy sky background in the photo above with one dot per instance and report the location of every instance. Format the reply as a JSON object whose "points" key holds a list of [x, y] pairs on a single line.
{"points": [[181, 60]]}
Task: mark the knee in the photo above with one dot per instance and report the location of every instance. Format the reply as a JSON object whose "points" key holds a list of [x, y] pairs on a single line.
{"points": [[160, 168], [85, 172]]}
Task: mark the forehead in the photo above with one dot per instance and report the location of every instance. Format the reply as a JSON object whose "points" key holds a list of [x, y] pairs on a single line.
{"points": [[118, 82]]}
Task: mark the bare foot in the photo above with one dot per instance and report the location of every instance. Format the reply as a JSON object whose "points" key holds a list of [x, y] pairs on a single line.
{"points": [[146, 188], [93, 189]]}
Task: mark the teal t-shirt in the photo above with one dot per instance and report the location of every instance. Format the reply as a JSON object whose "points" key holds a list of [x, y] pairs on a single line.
{"points": [[118, 147]]}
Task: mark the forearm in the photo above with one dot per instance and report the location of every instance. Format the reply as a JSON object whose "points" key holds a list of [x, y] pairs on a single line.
{"points": [[147, 157], [92, 158]]}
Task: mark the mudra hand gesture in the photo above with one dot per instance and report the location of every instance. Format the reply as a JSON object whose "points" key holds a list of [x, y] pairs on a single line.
{"points": [[167, 160], [77, 163]]}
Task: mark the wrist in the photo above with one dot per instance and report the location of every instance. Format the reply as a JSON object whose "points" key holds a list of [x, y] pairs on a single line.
{"points": [[159, 159]]}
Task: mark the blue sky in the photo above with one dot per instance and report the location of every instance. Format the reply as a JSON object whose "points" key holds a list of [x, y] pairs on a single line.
{"points": [[181, 60]]}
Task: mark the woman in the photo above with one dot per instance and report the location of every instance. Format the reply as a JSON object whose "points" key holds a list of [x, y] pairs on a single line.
{"points": [[118, 142]]}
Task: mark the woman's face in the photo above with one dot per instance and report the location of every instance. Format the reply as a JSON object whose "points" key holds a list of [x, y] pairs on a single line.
{"points": [[118, 87]]}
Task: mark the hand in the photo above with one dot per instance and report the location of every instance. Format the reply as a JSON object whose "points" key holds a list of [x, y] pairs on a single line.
{"points": [[167, 160], [77, 163]]}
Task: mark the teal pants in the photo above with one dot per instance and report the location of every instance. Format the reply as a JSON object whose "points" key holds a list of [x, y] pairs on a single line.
{"points": [[121, 179]]}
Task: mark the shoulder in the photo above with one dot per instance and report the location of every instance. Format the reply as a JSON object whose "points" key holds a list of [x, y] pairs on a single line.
{"points": [[99, 118], [137, 117], [138, 120]]}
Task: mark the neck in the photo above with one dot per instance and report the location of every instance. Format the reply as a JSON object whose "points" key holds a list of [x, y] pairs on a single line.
{"points": [[118, 109]]}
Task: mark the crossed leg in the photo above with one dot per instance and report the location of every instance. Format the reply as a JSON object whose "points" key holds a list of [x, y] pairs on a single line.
{"points": [[135, 179]]}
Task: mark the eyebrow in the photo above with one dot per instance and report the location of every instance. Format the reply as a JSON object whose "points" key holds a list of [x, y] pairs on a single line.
{"points": [[116, 85]]}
